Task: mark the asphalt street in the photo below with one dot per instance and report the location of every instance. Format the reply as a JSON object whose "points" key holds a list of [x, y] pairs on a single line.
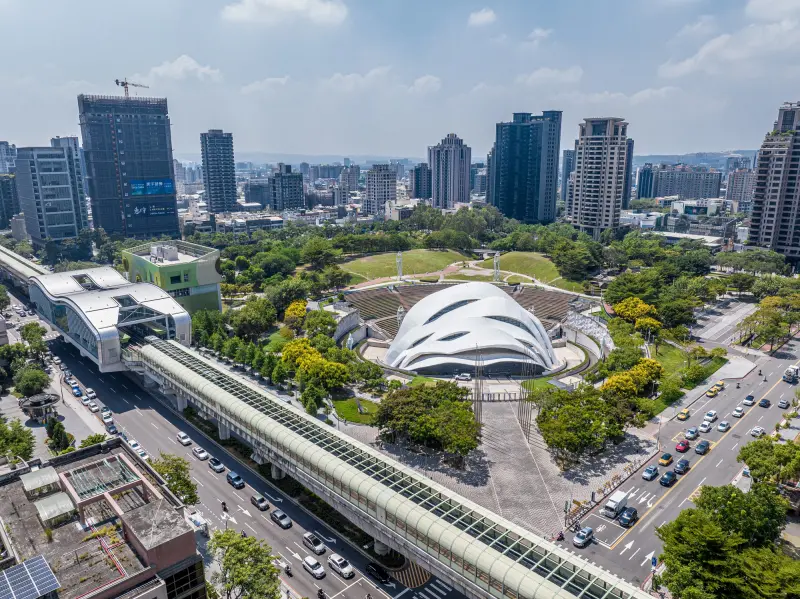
{"points": [[140, 416], [628, 551]]}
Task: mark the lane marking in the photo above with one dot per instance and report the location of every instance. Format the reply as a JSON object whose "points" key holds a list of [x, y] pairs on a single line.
{"points": [[634, 553], [734, 447], [137, 397], [718, 463], [153, 424], [125, 400], [172, 440], [239, 496], [251, 528], [198, 482], [112, 390]]}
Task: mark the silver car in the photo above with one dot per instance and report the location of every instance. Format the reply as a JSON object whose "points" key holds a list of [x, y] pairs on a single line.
{"points": [[313, 567], [584, 537], [341, 566]]}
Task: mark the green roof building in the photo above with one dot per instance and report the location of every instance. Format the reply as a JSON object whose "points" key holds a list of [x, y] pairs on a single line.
{"points": [[187, 271]]}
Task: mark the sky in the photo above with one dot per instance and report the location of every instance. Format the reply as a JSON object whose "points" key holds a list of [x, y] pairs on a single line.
{"points": [[391, 77]]}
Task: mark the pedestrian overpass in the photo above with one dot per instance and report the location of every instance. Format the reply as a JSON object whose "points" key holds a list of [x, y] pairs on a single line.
{"points": [[468, 546]]}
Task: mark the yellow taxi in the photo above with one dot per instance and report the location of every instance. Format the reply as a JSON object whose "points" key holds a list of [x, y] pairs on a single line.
{"points": [[666, 459], [712, 392], [720, 385], [683, 414]]}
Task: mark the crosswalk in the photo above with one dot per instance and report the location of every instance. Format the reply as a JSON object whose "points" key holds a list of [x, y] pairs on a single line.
{"points": [[436, 589]]}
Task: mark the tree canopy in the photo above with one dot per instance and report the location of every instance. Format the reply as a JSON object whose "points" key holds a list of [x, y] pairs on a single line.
{"points": [[175, 472], [246, 567]]}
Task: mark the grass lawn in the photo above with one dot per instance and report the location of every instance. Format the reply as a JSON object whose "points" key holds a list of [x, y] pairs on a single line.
{"points": [[540, 383], [276, 343], [422, 380], [462, 276], [414, 262], [536, 265], [348, 409], [671, 358], [513, 279]]}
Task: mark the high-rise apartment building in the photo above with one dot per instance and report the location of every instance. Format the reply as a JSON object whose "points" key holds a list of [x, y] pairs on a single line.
{"points": [[420, 179], [381, 188], [219, 170], [775, 218], [567, 168], [646, 181], [286, 189], [347, 183], [8, 154], [601, 161], [626, 192], [257, 190], [479, 186], [449, 162], [736, 162], [9, 201], [523, 167], [740, 188], [128, 147], [180, 171], [687, 182], [50, 190]]}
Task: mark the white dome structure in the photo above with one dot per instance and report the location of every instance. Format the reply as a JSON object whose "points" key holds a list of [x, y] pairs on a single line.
{"points": [[445, 332]]}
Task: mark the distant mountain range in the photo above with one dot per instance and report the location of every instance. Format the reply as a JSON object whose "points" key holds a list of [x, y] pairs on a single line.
{"points": [[712, 159], [275, 157]]}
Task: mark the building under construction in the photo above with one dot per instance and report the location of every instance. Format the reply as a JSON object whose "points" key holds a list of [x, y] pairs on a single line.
{"points": [[128, 151]]}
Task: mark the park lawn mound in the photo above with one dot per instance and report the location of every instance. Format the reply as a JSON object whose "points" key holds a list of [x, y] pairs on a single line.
{"points": [[535, 265], [414, 262], [348, 409]]}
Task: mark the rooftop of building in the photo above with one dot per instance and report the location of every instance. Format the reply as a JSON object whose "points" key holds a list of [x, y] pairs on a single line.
{"points": [[90, 553], [706, 239], [158, 251]]}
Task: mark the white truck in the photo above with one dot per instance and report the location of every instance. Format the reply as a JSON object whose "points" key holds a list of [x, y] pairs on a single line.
{"points": [[790, 375], [615, 504]]}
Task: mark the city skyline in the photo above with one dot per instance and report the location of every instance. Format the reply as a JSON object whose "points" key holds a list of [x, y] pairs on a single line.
{"points": [[697, 67]]}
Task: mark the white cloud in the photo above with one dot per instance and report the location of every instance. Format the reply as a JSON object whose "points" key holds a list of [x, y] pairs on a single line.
{"points": [[265, 85], [270, 12], [545, 75], [538, 35], [427, 84], [737, 49], [619, 99], [356, 82], [181, 68], [704, 26], [772, 10], [479, 18]]}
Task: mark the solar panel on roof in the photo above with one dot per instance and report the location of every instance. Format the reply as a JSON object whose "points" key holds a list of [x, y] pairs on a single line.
{"points": [[31, 579]]}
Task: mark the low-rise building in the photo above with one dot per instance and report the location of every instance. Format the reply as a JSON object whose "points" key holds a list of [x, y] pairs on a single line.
{"points": [[96, 522], [187, 271], [247, 222]]}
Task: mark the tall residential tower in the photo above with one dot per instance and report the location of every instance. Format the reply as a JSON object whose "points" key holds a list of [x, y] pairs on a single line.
{"points": [[775, 219], [523, 167], [128, 148], [567, 168], [601, 163], [381, 188], [219, 170], [449, 162]]}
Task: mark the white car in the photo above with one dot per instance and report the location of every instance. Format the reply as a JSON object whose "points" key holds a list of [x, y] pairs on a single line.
{"points": [[56, 360], [749, 400], [341, 566], [143, 454], [183, 438], [85, 400], [107, 419], [706, 426], [313, 567], [93, 407], [134, 445], [200, 453], [738, 412], [90, 392], [464, 376], [757, 431], [710, 416]]}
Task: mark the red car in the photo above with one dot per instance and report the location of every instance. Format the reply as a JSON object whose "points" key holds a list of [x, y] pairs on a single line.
{"points": [[682, 446]]}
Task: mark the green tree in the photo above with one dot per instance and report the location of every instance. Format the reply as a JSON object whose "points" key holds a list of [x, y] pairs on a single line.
{"points": [[5, 300], [31, 380], [770, 461], [279, 373], [175, 472], [741, 281], [33, 333], [246, 567], [572, 424], [93, 440], [16, 440], [254, 319], [312, 398], [319, 322], [295, 314], [318, 253]]}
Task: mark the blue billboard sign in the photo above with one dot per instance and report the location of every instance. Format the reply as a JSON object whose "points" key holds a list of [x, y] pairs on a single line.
{"points": [[152, 187]]}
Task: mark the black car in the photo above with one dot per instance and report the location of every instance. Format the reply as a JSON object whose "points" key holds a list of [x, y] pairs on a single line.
{"points": [[764, 403], [682, 467], [378, 573], [628, 517], [668, 478], [702, 447]]}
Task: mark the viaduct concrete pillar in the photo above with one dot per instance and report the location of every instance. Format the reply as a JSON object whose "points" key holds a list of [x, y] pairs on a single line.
{"points": [[180, 401], [380, 547], [224, 431], [276, 472]]}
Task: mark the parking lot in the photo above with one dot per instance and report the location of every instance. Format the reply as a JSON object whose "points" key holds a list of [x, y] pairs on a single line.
{"points": [[606, 531]]}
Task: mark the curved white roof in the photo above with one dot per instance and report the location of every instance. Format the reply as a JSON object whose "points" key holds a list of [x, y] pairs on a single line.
{"points": [[446, 330]]}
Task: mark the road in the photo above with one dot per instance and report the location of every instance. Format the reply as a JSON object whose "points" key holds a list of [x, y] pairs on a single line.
{"points": [[144, 418], [628, 551]]}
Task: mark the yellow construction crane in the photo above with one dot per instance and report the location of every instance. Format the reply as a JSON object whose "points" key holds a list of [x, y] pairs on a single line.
{"points": [[124, 83]]}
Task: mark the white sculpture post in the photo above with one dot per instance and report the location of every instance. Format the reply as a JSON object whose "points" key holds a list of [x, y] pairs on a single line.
{"points": [[399, 261]]}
